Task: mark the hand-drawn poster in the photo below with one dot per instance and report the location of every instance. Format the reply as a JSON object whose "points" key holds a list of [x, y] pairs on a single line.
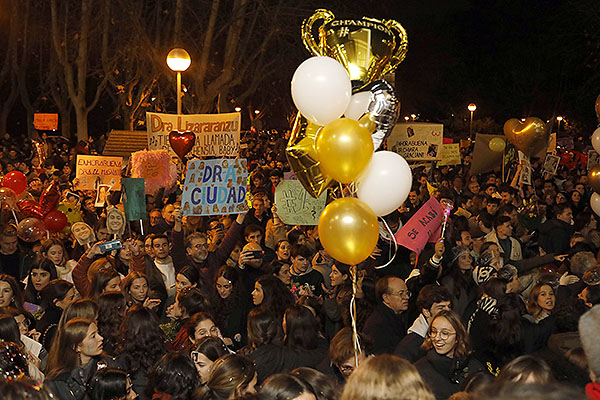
{"points": [[92, 171], [417, 141], [450, 154], [295, 206], [215, 187]]}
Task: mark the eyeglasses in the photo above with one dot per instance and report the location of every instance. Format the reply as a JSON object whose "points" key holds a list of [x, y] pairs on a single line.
{"points": [[402, 293], [444, 335]]}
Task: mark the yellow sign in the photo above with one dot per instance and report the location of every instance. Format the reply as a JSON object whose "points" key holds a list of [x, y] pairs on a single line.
{"points": [[450, 154], [417, 141], [92, 171], [45, 122]]}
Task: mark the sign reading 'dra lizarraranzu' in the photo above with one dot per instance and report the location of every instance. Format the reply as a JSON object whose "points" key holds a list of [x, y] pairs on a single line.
{"points": [[92, 171], [215, 187], [417, 141], [217, 135]]}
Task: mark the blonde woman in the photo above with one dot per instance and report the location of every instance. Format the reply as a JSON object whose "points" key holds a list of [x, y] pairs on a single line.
{"points": [[386, 377]]}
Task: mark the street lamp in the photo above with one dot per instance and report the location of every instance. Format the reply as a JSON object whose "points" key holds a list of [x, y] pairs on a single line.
{"points": [[559, 119], [178, 60], [406, 118], [256, 112], [471, 107], [238, 109], [413, 116]]}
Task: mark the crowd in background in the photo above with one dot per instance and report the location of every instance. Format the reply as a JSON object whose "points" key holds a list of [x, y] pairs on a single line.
{"points": [[245, 306]]}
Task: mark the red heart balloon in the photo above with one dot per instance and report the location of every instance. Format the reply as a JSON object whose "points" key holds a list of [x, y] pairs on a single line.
{"points": [[30, 208], [49, 198], [182, 142]]}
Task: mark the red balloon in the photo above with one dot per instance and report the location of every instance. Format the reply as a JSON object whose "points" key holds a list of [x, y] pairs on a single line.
{"points": [[15, 180], [30, 208], [49, 198], [55, 221], [182, 142]]}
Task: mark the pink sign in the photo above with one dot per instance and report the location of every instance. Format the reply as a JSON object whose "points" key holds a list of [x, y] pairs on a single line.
{"points": [[423, 227]]}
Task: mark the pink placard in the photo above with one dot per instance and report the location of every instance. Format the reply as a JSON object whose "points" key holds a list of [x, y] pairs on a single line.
{"points": [[424, 226]]}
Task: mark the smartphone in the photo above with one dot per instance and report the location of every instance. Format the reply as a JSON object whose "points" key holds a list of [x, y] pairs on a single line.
{"points": [[110, 246], [257, 254]]}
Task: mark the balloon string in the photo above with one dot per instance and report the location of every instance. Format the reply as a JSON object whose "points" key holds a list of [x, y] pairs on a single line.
{"points": [[393, 240], [355, 338], [14, 215], [341, 190]]}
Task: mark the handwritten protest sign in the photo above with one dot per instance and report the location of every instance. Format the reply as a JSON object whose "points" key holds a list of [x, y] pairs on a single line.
{"points": [[216, 134], [417, 141], [426, 222], [551, 164], [525, 177], [215, 187], [92, 171], [295, 206], [45, 122], [134, 198], [450, 154]]}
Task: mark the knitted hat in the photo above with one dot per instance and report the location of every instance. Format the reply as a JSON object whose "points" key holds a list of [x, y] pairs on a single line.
{"points": [[589, 326]]}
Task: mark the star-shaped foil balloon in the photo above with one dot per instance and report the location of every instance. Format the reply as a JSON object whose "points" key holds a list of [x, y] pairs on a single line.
{"points": [[303, 159]]}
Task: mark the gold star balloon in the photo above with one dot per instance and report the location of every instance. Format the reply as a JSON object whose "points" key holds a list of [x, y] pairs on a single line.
{"points": [[303, 159]]}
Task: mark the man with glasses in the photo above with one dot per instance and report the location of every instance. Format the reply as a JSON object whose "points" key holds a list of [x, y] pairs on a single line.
{"points": [[387, 325]]}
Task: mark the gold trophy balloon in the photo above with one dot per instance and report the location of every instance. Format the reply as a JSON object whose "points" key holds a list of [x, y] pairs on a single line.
{"points": [[368, 48]]}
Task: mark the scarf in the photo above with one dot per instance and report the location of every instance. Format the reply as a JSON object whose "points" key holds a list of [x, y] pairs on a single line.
{"points": [[592, 390]]}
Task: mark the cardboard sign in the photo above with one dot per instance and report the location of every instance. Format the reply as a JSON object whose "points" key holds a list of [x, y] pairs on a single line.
{"points": [[45, 122], [295, 206], [215, 187], [552, 144], [417, 141], [484, 159], [217, 135], [92, 171], [525, 177], [426, 222], [551, 164], [450, 154], [134, 198]]}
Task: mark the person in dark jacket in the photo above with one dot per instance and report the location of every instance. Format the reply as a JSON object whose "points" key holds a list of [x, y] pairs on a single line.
{"points": [[555, 234], [431, 300], [387, 325], [448, 362]]}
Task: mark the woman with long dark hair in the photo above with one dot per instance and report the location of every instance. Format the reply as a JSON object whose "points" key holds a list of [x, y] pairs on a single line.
{"points": [[55, 251], [174, 376], [111, 312], [271, 294], [10, 292], [56, 296], [188, 302], [142, 344], [231, 376], [459, 279], [111, 384], [38, 278], [230, 306], [73, 359], [205, 352]]}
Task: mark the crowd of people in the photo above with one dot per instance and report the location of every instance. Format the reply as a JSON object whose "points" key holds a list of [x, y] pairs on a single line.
{"points": [[243, 306]]}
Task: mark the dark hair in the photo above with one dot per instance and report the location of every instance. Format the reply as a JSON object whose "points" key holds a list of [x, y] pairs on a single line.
{"points": [[300, 250], [142, 339], [191, 324], [301, 328], [222, 308], [504, 333], [494, 287], [252, 228], [192, 301], [101, 279], [500, 219], [30, 294], [111, 311], [560, 208], [283, 387], [55, 290], [263, 327], [128, 281], [486, 219], [229, 374], [212, 347], [521, 368], [293, 235], [341, 346], [16, 289], [191, 273], [382, 287], [160, 236], [193, 236], [277, 296], [431, 294], [9, 329], [47, 244], [174, 374], [108, 384], [324, 387]]}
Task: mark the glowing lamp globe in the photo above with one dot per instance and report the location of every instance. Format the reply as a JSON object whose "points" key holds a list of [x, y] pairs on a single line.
{"points": [[178, 60]]}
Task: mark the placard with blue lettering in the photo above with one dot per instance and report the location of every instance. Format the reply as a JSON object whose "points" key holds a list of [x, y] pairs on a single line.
{"points": [[215, 187]]}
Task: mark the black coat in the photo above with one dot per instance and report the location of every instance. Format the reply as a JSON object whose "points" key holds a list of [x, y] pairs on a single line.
{"points": [[385, 328], [445, 375], [409, 348], [555, 236]]}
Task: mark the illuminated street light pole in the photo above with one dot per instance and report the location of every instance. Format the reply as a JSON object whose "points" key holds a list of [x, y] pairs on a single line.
{"points": [[471, 107], [178, 60]]}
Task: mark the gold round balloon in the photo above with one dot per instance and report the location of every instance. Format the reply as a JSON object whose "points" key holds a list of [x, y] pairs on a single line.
{"points": [[348, 230], [594, 178], [344, 149], [497, 145]]}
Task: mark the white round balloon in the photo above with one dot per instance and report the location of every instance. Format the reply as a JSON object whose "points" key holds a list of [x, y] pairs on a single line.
{"points": [[385, 183], [596, 140], [595, 203], [321, 89], [359, 104]]}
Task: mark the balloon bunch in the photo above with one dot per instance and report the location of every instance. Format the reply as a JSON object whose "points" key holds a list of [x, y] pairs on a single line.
{"points": [[40, 217], [594, 172], [333, 140]]}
